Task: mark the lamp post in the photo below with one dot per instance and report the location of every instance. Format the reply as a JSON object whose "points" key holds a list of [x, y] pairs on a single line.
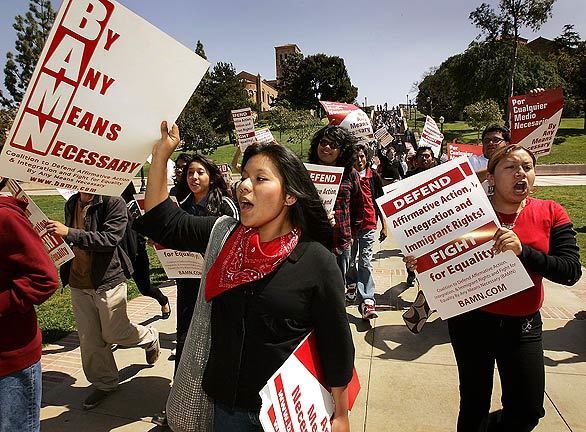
{"points": [[415, 115], [441, 120]]}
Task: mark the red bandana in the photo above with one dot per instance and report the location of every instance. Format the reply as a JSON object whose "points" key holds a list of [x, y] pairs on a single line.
{"points": [[245, 259]]}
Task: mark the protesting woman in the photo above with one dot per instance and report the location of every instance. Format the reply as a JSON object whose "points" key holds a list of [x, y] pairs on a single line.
{"points": [[268, 281], [509, 331], [334, 146]]}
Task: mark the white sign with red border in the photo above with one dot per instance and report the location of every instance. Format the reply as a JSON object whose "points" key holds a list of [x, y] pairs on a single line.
{"points": [[92, 110], [177, 264], [455, 150], [327, 180], [535, 119], [351, 118], [264, 136], [383, 136], [442, 217], [58, 250], [431, 136]]}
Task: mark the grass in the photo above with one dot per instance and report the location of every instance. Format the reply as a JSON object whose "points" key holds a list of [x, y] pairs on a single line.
{"points": [[572, 198], [56, 315]]}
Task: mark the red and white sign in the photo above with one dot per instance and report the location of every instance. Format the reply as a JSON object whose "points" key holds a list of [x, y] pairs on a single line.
{"points": [[351, 118], [177, 264], [244, 125], [226, 172], [535, 119], [456, 150], [443, 217], [58, 250], [383, 136], [327, 181], [264, 136], [431, 136], [92, 110], [296, 399]]}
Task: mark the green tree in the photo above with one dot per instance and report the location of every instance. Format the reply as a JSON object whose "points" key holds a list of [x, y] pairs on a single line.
{"points": [[483, 113], [303, 127], [317, 77], [281, 117], [569, 38], [32, 30], [513, 15], [223, 93], [6, 118]]}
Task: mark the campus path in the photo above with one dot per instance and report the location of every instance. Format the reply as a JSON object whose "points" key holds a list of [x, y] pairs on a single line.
{"points": [[409, 382]]}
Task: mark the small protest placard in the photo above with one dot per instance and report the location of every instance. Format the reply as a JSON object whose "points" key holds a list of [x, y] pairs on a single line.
{"points": [[383, 136], [455, 150], [226, 172], [442, 217], [58, 250], [295, 399], [177, 264], [264, 136], [431, 136], [535, 119], [244, 125], [92, 110], [349, 117], [327, 181]]}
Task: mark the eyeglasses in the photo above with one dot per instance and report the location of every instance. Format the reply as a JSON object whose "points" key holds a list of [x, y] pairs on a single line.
{"points": [[325, 142], [493, 140]]}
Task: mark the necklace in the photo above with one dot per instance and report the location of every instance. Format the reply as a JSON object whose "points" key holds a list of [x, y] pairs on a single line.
{"points": [[510, 225]]}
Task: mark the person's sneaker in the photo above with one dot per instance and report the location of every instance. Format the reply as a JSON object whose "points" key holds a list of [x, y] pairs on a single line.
{"points": [[160, 419], [95, 398], [367, 310], [153, 350], [351, 293]]}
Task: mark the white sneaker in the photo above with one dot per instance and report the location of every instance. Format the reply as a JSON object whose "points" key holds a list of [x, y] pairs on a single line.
{"points": [[351, 293]]}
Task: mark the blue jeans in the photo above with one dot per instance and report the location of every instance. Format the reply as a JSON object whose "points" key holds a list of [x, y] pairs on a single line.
{"points": [[20, 400], [361, 255], [344, 263], [228, 419]]}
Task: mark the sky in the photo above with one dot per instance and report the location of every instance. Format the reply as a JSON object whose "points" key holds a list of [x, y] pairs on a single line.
{"points": [[387, 46]]}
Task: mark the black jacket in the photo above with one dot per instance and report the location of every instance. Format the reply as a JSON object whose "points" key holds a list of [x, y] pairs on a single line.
{"points": [[110, 265], [255, 327]]}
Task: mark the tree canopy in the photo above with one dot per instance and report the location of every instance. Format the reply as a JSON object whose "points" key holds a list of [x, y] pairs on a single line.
{"points": [[308, 80]]}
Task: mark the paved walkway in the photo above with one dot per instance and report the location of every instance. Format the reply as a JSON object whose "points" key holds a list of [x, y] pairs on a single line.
{"points": [[409, 382]]}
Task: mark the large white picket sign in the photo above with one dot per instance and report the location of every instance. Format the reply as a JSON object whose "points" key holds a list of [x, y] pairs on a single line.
{"points": [[91, 114], [327, 180], [443, 217]]}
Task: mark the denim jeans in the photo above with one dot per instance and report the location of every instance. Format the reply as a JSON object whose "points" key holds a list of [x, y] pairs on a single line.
{"points": [[480, 339], [344, 263], [361, 256], [20, 400], [235, 420]]}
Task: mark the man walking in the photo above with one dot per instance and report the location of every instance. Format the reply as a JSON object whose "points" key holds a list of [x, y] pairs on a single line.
{"points": [[95, 226]]}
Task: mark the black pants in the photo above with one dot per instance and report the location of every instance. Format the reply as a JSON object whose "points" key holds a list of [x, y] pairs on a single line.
{"points": [[479, 339], [142, 275], [187, 290]]}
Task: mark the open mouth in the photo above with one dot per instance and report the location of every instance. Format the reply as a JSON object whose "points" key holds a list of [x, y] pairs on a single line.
{"points": [[245, 205], [521, 187]]}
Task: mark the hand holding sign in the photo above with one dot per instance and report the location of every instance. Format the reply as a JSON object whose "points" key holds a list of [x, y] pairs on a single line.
{"points": [[170, 139]]}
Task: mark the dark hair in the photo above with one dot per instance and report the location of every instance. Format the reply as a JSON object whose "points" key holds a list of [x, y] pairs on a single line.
{"points": [[345, 141], [308, 212], [498, 128], [184, 157], [423, 149], [218, 186], [503, 152]]}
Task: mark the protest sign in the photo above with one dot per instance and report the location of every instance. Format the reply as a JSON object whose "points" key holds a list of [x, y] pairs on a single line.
{"points": [[295, 399], [66, 193], [442, 217], [58, 250], [226, 172], [535, 119], [95, 101], [455, 150], [351, 118], [264, 136], [244, 125], [431, 136], [327, 181], [383, 136], [177, 264]]}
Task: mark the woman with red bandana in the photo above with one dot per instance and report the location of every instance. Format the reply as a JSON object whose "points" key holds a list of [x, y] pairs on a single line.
{"points": [[273, 281]]}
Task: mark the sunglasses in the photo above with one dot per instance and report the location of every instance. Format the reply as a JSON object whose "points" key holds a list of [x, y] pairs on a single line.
{"points": [[333, 145], [493, 140]]}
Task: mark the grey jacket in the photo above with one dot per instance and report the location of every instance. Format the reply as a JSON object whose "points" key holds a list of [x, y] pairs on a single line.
{"points": [[110, 265]]}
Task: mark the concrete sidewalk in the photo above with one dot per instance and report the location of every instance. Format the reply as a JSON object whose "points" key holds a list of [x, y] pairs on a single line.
{"points": [[409, 382]]}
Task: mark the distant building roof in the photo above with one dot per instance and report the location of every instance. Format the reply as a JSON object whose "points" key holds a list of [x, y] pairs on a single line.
{"points": [[247, 76], [287, 46], [543, 46]]}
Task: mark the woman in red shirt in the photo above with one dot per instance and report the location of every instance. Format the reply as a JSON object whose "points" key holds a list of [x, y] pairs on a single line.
{"points": [[509, 331]]}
